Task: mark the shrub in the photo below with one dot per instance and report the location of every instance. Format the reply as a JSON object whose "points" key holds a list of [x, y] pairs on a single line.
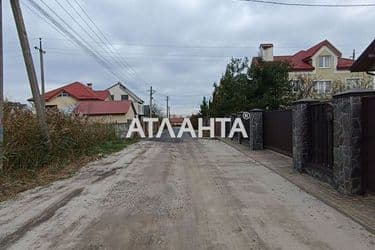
{"points": [[70, 136]]}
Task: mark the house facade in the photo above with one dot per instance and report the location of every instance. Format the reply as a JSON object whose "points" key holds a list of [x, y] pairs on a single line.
{"points": [[319, 71], [120, 112], [67, 97], [119, 92]]}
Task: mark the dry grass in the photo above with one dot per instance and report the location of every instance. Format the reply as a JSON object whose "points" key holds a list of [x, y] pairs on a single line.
{"points": [[28, 163]]}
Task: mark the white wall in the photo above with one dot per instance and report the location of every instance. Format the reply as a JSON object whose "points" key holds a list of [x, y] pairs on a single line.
{"points": [[117, 91]]}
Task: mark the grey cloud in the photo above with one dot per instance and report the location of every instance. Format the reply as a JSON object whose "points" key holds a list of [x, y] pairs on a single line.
{"points": [[175, 71]]}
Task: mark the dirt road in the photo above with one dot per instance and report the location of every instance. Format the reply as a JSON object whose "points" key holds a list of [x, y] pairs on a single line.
{"points": [[187, 194]]}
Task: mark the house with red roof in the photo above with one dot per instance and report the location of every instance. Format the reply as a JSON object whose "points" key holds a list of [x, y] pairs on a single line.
{"points": [[67, 97], [119, 112], [97, 105], [322, 66]]}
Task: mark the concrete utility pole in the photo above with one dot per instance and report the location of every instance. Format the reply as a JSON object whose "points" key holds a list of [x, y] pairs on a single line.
{"points": [[22, 35], [151, 98], [167, 106], [41, 53]]}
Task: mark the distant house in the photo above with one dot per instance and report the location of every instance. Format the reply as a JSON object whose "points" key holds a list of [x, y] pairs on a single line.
{"points": [[67, 97], [176, 121], [322, 64], [366, 61], [107, 112], [119, 92]]}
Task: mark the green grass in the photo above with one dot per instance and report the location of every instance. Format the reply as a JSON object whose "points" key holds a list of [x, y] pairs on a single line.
{"points": [[110, 147]]}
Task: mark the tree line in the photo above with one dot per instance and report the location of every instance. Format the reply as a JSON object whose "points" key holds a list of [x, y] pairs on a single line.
{"points": [[242, 87]]}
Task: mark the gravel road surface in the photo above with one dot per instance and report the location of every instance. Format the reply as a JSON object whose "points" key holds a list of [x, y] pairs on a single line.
{"points": [[175, 194]]}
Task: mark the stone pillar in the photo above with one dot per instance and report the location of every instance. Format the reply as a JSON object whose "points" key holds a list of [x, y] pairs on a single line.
{"points": [[256, 129], [300, 128], [347, 138]]}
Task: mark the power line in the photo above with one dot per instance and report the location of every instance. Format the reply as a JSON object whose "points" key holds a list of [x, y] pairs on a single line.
{"points": [[311, 5], [76, 38], [70, 33], [100, 35], [104, 39]]}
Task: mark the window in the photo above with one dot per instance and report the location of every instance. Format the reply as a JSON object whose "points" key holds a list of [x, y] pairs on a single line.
{"points": [[322, 87], [324, 61], [63, 94], [353, 82], [295, 85], [112, 97], [124, 97]]}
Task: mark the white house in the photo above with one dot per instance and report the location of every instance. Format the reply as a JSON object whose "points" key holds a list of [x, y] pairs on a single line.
{"points": [[119, 92]]}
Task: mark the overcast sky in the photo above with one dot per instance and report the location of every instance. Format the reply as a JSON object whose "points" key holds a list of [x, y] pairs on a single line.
{"points": [[180, 47]]}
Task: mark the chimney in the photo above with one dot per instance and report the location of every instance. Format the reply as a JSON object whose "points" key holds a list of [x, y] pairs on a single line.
{"points": [[266, 52], [89, 84]]}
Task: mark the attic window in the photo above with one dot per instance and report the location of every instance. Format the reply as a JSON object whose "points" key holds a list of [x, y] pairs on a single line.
{"points": [[324, 61], [63, 94]]}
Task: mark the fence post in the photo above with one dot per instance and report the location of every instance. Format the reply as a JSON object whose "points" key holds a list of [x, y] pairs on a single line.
{"points": [[347, 140], [239, 135], [256, 129], [232, 117], [301, 124]]}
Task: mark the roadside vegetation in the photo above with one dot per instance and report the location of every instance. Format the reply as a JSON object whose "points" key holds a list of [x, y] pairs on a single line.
{"points": [[264, 85], [29, 162]]}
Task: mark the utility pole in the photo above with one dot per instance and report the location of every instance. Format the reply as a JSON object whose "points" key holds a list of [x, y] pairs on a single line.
{"points": [[22, 35], [151, 98], [1, 87], [41, 53], [167, 106], [353, 54]]}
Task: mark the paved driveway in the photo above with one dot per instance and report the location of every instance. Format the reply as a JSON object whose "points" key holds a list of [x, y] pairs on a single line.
{"points": [[176, 194]]}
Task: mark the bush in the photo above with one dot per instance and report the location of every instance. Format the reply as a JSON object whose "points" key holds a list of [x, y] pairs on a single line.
{"points": [[70, 136]]}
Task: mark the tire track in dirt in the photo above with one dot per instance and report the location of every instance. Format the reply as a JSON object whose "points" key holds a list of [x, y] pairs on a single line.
{"points": [[42, 217]]}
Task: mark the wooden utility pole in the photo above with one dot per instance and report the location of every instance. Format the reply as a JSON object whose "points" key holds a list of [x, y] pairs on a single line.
{"points": [[1, 87], [41, 53], [22, 35]]}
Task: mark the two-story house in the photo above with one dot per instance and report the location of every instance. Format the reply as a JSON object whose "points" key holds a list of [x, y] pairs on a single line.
{"points": [[119, 92], [67, 97], [322, 67]]}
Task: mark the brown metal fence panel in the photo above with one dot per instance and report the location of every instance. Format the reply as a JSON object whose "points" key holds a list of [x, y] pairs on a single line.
{"points": [[368, 144], [277, 131], [321, 138]]}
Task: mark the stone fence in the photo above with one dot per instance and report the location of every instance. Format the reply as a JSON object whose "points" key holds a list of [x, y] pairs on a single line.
{"points": [[345, 174]]}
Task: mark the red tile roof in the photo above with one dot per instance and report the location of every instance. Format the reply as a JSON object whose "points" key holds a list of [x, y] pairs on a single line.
{"points": [[103, 94], [344, 63], [300, 61], [176, 120], [103, 107], [77, 90]]}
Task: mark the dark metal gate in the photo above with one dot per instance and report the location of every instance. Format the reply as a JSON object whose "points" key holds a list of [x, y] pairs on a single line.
{"points": [[321, 138], [368, 144], [277, 131]]}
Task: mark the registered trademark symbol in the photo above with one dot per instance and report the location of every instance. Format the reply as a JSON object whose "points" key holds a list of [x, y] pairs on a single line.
{"points": [[246, 115]]}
